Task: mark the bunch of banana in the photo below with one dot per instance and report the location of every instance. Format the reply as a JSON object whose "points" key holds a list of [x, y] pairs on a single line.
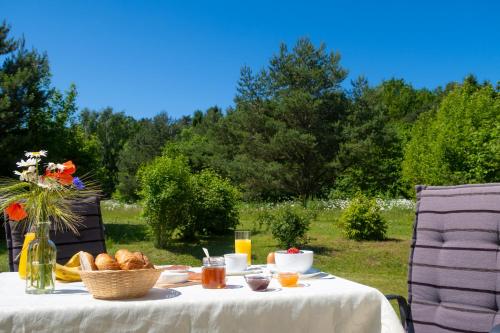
{"points": [[69, 272]]}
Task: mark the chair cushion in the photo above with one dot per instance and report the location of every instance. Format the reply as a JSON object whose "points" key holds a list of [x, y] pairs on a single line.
{"points": [[454, 283], [89, 239]]}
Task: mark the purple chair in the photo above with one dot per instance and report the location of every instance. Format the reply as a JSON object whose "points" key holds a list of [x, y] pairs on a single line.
{"points": [[453, 279]]}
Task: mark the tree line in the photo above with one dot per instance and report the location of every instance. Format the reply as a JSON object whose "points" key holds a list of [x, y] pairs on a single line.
{"points": [[295, 131]]}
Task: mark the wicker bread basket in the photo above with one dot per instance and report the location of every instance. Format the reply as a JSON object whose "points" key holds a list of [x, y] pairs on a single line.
{"points": [[120, 284]]}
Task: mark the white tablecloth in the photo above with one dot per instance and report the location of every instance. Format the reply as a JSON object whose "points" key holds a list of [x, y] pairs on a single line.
{"points": [[320, 305]]}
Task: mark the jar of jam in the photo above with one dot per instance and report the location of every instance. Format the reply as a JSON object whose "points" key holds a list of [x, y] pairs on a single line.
{"points": [[213, 273]]}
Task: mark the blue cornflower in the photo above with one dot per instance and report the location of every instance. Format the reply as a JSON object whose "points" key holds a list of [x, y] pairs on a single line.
{"points": [[78, 183]]}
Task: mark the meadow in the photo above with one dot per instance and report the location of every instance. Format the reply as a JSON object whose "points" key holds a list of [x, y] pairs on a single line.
{"points": [[382, 265]]}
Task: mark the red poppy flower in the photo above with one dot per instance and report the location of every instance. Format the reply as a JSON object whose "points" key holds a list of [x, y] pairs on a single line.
{"points": [[16, 211], [69, 168], [65, 179], [50, 174]]}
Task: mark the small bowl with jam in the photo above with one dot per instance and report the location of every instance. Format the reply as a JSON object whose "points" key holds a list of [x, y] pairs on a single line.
{"points": [[258, 282], [288, 278]]}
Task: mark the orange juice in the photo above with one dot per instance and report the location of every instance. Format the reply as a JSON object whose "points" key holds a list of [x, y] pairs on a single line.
{"points": [[244, 246], [24, 254], [288, 279]]}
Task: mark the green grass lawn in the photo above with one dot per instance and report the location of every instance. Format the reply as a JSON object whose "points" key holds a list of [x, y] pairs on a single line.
{"points": [[382, 265]]}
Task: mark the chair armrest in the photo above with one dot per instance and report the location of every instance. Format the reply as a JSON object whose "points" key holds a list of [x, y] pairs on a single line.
{"points": [[495, 329], [404, 311]]}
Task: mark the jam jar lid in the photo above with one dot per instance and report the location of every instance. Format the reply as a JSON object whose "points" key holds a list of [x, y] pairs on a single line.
{"points": [[214, 261]]}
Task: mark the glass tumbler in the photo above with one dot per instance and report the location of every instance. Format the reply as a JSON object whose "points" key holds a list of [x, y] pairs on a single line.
{"points": [[243, 244]]}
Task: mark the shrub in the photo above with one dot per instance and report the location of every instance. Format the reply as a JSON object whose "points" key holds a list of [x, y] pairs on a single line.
{"points": [[166, 194], [361, 220], [214, 203], [288, 226], [179, 203]]}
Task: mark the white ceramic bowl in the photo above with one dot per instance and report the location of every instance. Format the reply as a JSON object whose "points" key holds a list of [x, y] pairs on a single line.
{"points": [[167, 277], [235, 262], [294, 262]]}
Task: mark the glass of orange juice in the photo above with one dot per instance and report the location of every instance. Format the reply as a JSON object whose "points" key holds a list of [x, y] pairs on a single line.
{"points": [[243, 244]]}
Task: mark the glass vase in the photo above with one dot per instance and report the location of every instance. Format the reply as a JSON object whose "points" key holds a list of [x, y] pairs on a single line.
{"points": [[41, 262]]}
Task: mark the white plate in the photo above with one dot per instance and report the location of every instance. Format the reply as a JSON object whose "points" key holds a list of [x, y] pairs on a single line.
{"points": [[310, 273], [250, 270]]}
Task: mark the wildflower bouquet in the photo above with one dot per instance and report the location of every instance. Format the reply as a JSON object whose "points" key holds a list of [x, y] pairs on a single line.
{"points": [[39, 197]]}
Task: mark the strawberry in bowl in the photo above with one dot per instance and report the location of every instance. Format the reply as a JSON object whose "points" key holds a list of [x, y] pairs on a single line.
{"points": [[294, 260]]}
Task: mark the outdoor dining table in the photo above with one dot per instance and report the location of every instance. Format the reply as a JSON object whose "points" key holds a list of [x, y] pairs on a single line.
{"points": [[326, 304]]}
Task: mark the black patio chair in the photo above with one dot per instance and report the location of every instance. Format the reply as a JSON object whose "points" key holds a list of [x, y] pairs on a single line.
{"points": [[89, 239], [453, 279]]}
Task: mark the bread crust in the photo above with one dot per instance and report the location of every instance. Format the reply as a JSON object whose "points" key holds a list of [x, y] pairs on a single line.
{"points": [[128, 260], [121, 255], [90, 259], [106, 262]]}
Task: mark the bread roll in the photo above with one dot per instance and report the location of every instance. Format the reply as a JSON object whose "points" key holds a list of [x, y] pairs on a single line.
{"points": [[145, 260], [147, 263], [106, 262], [90, 259], [122, 255], [128, 260], [132, 262], [138, 255]]}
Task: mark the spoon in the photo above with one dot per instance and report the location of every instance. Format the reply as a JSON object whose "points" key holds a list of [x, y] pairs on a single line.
{"points": [[206, 253]]}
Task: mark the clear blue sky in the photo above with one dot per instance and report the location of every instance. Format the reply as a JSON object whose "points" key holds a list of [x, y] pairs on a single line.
{"points": [[144, 57]]}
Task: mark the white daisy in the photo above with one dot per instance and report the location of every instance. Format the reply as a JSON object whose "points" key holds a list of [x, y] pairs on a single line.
{"points": [[29, 162], [36, 153], [51, 166], [21, 177], [26, 176], [45, 184]]}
